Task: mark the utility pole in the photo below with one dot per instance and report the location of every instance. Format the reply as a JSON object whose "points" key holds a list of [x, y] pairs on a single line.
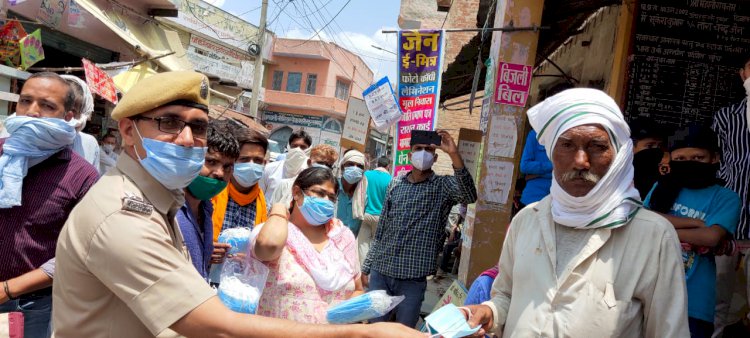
{"points": [[258, 71]]}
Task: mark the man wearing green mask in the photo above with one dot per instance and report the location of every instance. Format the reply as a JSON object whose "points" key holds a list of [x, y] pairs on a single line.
{"points": [[194, 217]]}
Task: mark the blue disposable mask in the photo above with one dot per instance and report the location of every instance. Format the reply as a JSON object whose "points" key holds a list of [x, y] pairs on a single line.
{"points": [[353, 174], [173, 166], [247, 174], [316, 211], [449, 322], [318, 165]]}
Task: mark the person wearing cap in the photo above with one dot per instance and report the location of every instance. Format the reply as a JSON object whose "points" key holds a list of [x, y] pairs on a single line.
{"points": [[411, 231], [649, 156], [84, 144], [123, 269], [587, 260], [350, 207], [703, 213], [41, 181]]}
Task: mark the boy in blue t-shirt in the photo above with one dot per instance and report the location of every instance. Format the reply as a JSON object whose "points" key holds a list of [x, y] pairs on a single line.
{"points": [[703, 212]]}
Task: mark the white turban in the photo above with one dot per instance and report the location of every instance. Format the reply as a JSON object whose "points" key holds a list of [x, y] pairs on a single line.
{"points": [[353, 156], [87, 101], [614, 200]]}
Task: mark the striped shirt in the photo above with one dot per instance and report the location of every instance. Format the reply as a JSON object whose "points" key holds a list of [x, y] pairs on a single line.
{"points": [[411, 231], [28, 233], [731, 126]]}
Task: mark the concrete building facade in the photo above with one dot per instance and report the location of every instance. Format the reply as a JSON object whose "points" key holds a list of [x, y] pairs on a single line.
{"points": [[308, 85]]}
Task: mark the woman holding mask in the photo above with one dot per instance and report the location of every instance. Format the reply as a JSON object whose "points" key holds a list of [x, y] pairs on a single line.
{"points": [[312, 257]]}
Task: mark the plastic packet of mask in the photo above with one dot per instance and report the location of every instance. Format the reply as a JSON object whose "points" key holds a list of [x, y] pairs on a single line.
{"points": [[242, 284], [364, 307], [238, 238]]}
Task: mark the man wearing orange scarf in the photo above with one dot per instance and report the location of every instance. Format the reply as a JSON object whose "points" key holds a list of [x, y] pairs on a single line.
{"points": [[242, 203]]}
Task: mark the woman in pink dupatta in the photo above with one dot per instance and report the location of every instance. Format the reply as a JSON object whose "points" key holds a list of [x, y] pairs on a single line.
{"points": [[312, 257]]}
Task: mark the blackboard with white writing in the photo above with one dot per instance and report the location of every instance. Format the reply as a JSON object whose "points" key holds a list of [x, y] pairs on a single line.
{"points": [[685, 59]]}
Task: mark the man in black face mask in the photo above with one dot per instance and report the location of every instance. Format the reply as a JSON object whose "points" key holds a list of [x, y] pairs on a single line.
{"points": [[648, 150], [703, 212]]}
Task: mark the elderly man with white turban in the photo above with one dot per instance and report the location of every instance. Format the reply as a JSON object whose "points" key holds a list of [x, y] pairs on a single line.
{"points": [[588, 260], [351, 201], [84, 144]]}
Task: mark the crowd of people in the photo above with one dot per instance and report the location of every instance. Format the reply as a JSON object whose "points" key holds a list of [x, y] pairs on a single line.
{"points": [[97, 243], [624, 230]]}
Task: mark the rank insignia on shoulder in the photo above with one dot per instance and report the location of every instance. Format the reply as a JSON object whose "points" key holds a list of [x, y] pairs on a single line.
{"points": [[136, 204]]}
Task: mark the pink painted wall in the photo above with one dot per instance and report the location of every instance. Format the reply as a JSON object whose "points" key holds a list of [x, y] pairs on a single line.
{"points": [[317, 56]]}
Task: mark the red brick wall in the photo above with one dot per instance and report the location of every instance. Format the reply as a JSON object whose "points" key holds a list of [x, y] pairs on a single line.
{"points": [[455, 116], [463, 14]]}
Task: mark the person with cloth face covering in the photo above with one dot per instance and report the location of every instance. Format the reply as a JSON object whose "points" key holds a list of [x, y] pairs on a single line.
{"points": [[289, 166], [648, 149], [242, 203], [309, 252], [84, 144], [41, 180], [732, 126], [123, 268], [321, 156], [590, 259], [194, 217], [351, 194], [411, 231], [703, 212], [108, 158]]}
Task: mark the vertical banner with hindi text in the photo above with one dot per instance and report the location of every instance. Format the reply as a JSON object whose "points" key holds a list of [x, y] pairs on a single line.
{"points": [[420, 63]]}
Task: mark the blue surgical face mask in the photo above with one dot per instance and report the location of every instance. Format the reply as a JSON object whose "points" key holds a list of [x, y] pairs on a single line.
{"points": [[172, 165], [318, 165], [316, 210], [449, 322], [247, 174], [353, 174]]}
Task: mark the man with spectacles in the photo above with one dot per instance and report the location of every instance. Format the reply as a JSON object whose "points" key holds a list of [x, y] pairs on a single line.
{"points": [[351, 194], [321, 155], [242, 203], [123, 267]]}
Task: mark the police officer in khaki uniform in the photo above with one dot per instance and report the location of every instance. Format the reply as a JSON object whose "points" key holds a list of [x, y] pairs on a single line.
{"points": [[122, 267]]}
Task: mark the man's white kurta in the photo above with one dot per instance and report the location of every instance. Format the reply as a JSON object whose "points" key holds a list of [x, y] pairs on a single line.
{"points": [[625, 282]]}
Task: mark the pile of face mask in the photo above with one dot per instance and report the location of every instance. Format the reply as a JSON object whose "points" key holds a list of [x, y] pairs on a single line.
{"points": [[242, 283], [368, 306], [238, 296], [448, 322], [238, 238]]}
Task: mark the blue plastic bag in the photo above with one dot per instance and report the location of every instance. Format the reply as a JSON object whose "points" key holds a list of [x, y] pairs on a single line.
{"points": [[242, 284], [238, 238], [364, 307]]}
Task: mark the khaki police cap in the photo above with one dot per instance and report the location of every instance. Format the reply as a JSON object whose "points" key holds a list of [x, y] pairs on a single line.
{"points": [[160, 89]]}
